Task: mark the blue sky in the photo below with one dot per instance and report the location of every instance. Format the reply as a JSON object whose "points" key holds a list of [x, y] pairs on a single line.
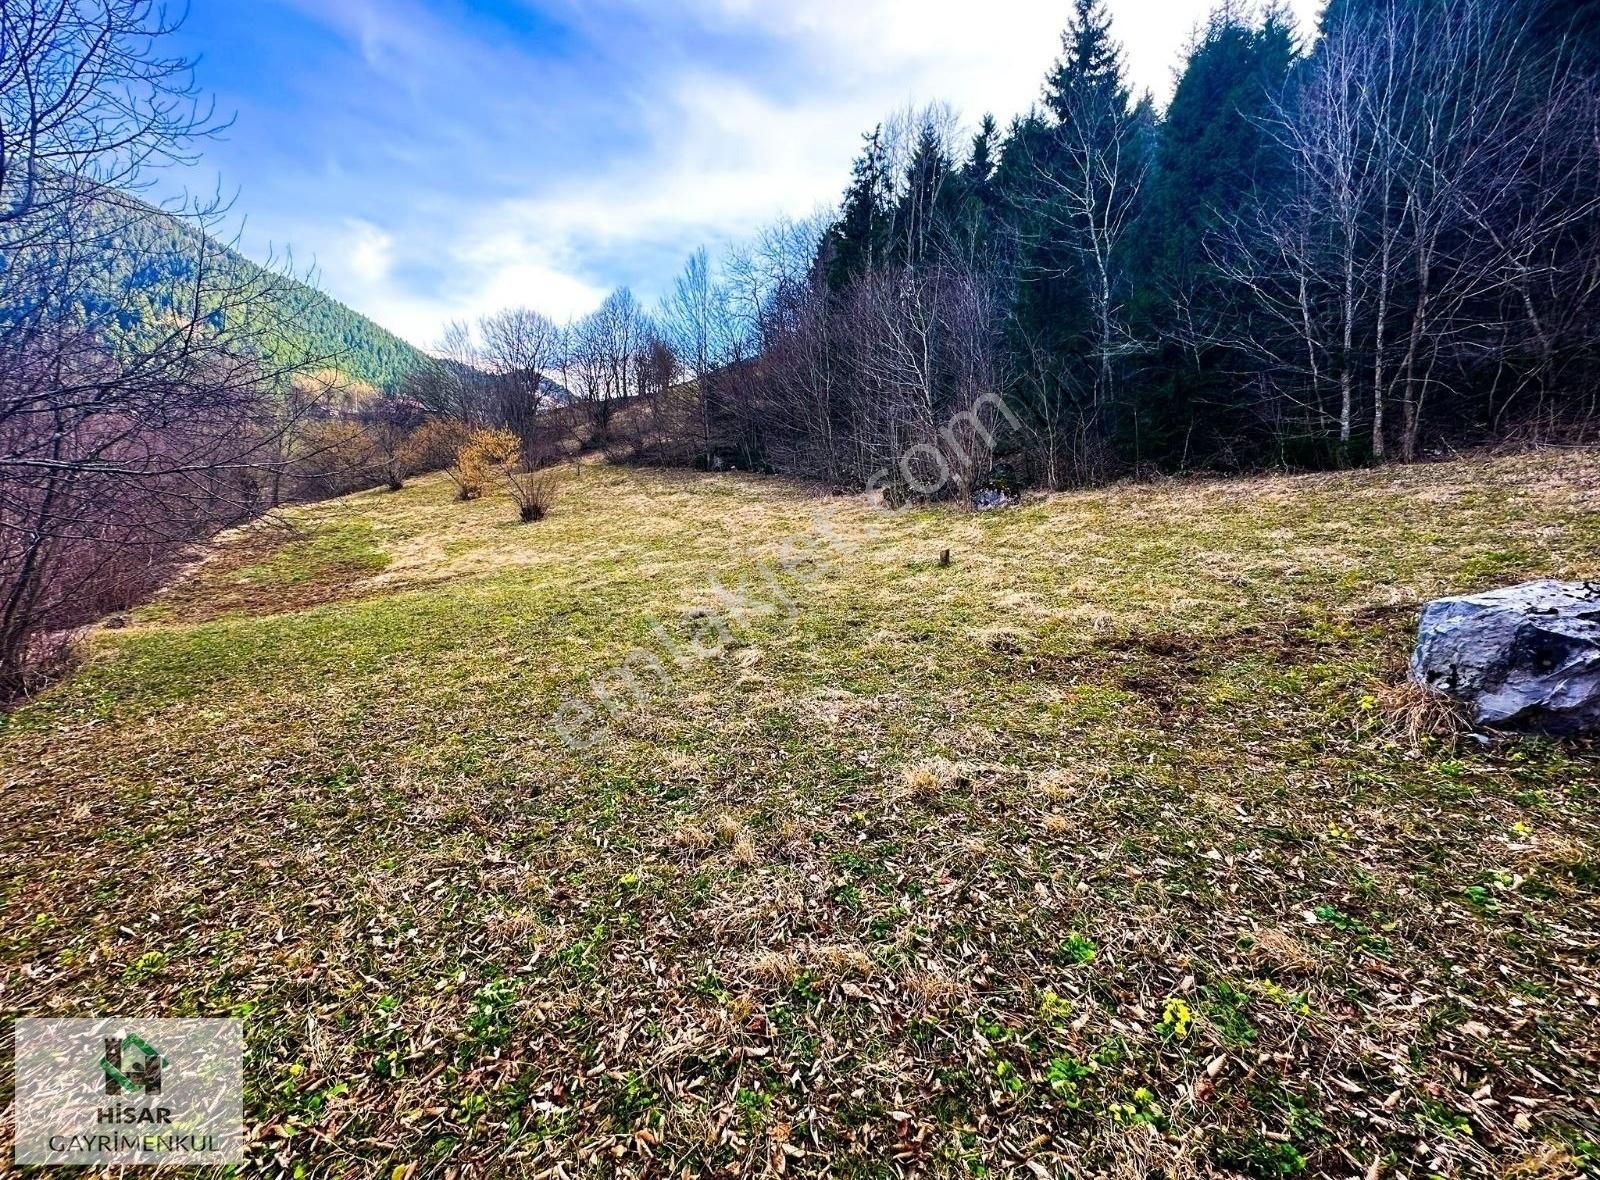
{"points": [[440, 159]]}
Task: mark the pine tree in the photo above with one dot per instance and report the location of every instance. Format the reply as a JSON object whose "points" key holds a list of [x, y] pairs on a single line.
{"points": [[976, 192], [1211, 153], [1078, 175], [1212, 147], [925, 216], [978, 171], [1089, 75], [858, 241]]}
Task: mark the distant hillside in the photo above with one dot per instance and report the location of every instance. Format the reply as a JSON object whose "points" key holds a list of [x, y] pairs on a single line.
{"points": [[316, 324], [140, 268], [553, 393]]}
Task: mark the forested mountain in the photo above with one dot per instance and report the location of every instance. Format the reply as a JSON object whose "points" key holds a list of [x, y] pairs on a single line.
{"points": [[314, 323], [136, 266]]}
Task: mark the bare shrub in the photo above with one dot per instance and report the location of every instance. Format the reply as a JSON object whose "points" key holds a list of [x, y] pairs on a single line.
{"points": [[486, 456], [389, 423], [338, 457], [533, 491], [499, 456], [434, 446]]}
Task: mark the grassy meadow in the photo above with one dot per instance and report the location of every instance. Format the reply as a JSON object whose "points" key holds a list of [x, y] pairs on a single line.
{"points": [[1109, 849]]}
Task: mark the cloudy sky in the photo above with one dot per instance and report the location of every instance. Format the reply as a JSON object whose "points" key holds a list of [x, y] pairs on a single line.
{"points": [[440, 159]]}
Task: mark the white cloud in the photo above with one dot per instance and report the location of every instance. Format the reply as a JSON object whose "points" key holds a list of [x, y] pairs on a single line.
{"points": [[477, 269], [509, 269], [728, 151], [369, 252], [985, 56], [718, 140]]}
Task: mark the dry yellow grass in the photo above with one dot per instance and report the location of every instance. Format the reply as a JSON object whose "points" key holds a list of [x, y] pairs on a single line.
{"points": [[930, 779], [797, 897]]}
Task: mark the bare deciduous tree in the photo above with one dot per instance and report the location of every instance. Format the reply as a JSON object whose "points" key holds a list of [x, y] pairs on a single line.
{"points": [[122, 437], [518, 347]]}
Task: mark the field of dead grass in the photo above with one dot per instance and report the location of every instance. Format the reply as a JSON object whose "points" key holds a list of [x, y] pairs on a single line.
{"points": [[1099, 852]]}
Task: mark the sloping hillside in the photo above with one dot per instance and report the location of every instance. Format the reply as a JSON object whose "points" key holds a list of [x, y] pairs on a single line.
{"points": [[1103, 850], [315, 324], [137, 262]]}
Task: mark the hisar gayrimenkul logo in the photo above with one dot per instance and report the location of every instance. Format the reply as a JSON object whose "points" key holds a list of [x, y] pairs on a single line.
{"points": [[119, 1091]]}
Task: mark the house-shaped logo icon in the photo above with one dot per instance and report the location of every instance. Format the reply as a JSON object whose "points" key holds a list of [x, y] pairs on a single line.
{"points": [[131, 1066]]}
